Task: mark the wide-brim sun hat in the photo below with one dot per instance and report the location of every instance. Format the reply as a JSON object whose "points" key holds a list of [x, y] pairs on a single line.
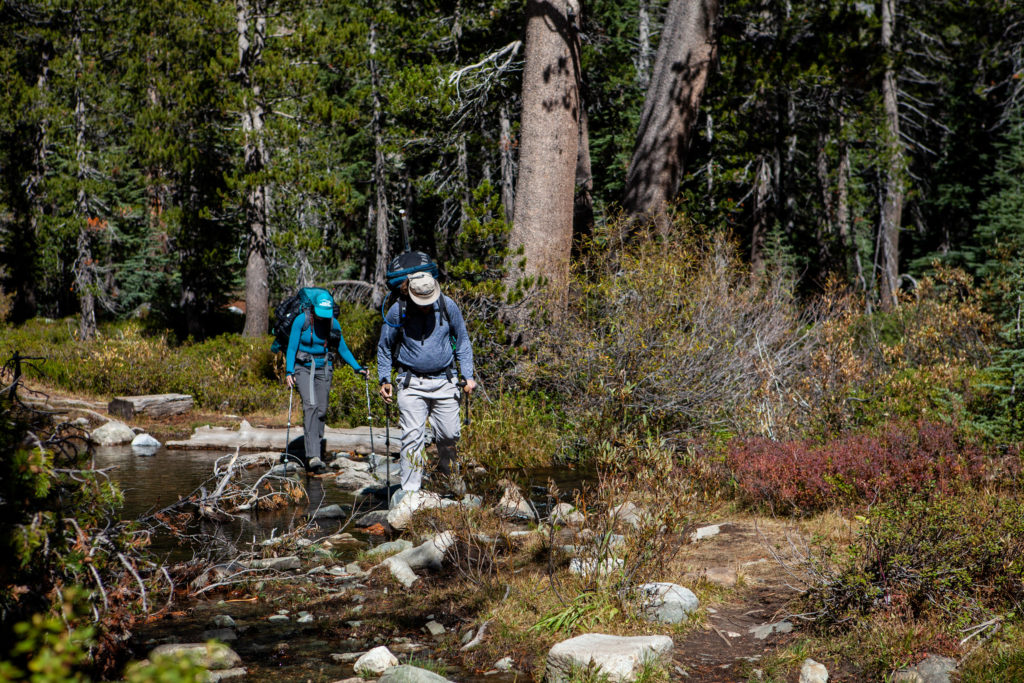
{"points": [[323, 305], [423, 289]]}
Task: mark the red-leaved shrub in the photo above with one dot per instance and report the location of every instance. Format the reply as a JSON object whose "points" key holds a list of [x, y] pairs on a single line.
{"points": [[801, 476]]}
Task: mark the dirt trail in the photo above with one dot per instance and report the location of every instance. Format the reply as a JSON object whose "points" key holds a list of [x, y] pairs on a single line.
{"points": [[753, 591]]}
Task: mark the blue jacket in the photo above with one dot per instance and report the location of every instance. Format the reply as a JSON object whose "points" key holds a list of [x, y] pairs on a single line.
{"points": [[426, 347], [309, 342]]}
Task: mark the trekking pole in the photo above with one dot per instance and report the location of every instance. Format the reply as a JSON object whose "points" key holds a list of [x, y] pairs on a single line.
{"points": [[465, 397], [387, 451], [288, 430], [369, 413]]}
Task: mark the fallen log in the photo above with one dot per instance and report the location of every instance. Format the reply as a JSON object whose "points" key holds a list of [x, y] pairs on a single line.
{"points": [[247, 437], [153, 405]]}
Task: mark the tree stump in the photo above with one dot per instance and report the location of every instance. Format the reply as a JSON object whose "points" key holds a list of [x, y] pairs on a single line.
{"points": [[153, 405]]}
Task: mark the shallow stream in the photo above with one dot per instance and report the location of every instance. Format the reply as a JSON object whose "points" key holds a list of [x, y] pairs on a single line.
{"points": [[282, 652]]}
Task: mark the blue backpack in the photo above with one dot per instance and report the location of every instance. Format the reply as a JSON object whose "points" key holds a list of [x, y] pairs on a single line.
{"points": [[286, 312]]}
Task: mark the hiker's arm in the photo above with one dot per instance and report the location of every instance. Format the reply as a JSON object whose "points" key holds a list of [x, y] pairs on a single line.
{"points": [[387, 338], [293, 343], [343, 351], [463, 349]]}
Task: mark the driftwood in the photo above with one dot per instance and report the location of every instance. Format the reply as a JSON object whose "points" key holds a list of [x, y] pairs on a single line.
{"points": [[154, 405], [247, 437]]}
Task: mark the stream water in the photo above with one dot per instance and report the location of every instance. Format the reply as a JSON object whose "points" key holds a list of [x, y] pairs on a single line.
{"points": [[280, 652]]}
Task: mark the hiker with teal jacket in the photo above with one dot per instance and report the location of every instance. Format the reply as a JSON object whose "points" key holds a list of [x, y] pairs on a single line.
{"points": [[309, 368]]}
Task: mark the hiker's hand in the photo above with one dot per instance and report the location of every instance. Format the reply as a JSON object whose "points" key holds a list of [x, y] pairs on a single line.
{"points": [[364, 372], [469, 386], [289, 380], [385, 392]]}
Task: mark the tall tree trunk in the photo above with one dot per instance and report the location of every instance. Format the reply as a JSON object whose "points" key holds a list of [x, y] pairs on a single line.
{"points": [[257, 193], [760, 223], [508, 163], [84, 269], [892, 202], [583, 207], [643, 53], [379, 215], [543, 218], [685, 54]]}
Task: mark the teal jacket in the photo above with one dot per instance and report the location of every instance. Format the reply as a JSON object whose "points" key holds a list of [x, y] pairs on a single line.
{"points": [[307, 345]]}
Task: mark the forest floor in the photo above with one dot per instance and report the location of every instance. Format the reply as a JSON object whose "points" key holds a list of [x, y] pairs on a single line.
{"points": [[746, 587]]}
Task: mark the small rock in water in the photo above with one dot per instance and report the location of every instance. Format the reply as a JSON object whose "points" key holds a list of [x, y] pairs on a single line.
{"points": [[306, 619], [223, 621], [224, 635], [407, 673], [514, 505], [112, 433], [144, 444], [330, 512], [212, 657], [278, 619]]}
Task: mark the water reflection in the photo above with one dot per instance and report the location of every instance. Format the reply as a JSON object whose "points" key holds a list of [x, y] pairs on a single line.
{"points": [[151, 483]]}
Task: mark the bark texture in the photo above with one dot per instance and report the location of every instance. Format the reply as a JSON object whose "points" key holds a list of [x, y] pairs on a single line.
{"points": [[685, 54], [543, 214], [892, 203], [257, 194], [379, 209]]}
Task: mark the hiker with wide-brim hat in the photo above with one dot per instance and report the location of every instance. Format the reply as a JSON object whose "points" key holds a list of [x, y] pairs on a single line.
{"points": [[423, 336], [309, 367]]}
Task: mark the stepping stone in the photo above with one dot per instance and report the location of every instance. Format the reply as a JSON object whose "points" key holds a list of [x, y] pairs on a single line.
{"points": [[618, 658]]}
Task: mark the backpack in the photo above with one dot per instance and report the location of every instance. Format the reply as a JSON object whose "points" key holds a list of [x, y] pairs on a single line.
{"points": [[286, 312], [399, 270]]}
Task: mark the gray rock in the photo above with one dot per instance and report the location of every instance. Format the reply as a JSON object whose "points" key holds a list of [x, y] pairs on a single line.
{"points": [[214, 657], [617, 657], [413, 501], [284, 469], [330, 512], [353, 476], [306, 619], [764, 630], [705, 532], [278, 619], [505, 664], [226, 674], [471, 501], [813, 672], [936, 669], [347, 657], [592, 567], [371, 518], [514, 505], [376, 661], [626, 513], [145, 444], [112, 433], [223, 621], [435, 629], [224, 635], [276, 563], [389, 548], [411, 674], [668, 603], [567, 515]]}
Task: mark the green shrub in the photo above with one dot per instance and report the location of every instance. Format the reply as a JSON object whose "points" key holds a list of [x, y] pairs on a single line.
{"points": [[961, 558]]}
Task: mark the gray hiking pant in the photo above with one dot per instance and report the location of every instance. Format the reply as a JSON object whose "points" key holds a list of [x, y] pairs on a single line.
{"points": [[314, 405], [438, 401]]}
